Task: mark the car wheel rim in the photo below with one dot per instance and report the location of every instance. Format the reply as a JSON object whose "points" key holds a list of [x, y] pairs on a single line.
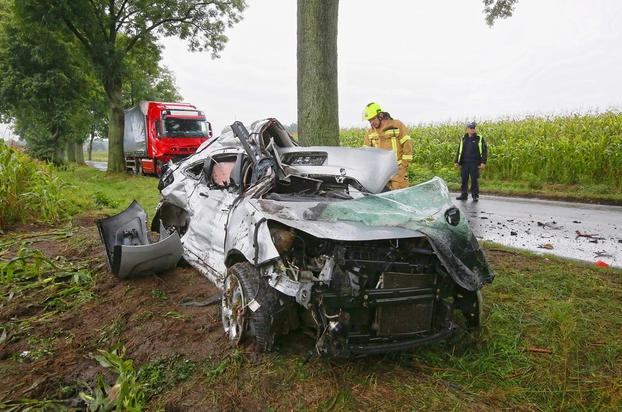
{"points": [[233, 303]]}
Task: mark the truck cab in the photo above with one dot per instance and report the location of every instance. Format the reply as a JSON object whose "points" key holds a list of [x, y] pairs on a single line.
{"points": [[158, 132]]}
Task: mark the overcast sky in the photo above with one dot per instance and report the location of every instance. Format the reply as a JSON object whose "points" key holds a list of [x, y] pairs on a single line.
{"points": [[422, 61]]}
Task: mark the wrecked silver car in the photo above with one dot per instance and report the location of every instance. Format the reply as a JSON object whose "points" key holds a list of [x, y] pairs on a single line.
{"points": [[309, 237]]}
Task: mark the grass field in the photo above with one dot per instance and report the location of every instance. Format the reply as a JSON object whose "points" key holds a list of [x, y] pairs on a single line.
{"points": [[549, 341]]}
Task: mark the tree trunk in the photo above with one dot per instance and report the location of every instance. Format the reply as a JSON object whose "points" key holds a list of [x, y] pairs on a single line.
{"points": [[318, 99], [80, 153], [116, 158], [71, 151], [91, 137]]}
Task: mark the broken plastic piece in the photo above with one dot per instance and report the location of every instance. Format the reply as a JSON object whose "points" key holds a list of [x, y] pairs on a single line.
{"points": [[129, 250], [601, 264]]}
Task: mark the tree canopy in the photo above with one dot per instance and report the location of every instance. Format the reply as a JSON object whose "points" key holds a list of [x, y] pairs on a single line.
{"points": [[109, 32]]}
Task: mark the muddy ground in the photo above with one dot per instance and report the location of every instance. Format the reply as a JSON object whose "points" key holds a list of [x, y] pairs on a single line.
{"points": [[147, 315]]}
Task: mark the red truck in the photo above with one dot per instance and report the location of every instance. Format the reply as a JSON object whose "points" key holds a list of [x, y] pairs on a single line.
{"points": [[156, 132]]}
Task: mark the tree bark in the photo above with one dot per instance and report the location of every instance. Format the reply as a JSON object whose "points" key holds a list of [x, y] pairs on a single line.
{"points": [[318, 98], [71, 151], [80, 153], [116, 158]]}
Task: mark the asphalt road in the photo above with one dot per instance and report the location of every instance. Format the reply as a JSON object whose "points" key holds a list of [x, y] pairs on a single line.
{"points": [[97, 165], [541, 226], [577, 231]]}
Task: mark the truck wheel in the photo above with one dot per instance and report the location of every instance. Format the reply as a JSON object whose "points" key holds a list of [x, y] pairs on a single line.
{"points": [[139, 167], [248, 303]]}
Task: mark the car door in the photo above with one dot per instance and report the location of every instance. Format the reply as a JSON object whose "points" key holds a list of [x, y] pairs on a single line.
{"points": [[210, 203]]}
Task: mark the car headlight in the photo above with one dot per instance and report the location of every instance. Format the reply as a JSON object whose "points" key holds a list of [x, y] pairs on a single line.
{"points": [[283, 239]]}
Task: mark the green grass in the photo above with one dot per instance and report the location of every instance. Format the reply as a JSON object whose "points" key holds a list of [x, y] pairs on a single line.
{"points": [[570, 157], [106, 192], [549, 340], [100, 156]]}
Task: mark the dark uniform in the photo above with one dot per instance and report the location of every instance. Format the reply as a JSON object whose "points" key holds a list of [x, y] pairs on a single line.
{"points": [[471, 154]]}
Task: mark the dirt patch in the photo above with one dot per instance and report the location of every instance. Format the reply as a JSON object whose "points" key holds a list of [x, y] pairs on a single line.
{"points": [[46, 352]]}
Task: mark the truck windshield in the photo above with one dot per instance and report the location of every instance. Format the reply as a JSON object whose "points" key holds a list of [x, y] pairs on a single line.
{"points": [[178, 127]]}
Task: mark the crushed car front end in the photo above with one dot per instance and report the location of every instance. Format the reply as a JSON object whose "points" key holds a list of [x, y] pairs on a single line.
{"points": [[309, 238]]}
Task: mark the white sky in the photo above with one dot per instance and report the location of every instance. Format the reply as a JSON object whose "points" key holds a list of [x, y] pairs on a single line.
{"points": [[422, 61]]}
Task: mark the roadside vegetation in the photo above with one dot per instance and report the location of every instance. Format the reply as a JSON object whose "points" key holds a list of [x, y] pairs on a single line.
{"points": [[576, 157], [549, 339]]}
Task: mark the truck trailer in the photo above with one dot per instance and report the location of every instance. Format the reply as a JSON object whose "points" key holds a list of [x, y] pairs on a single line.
{"points": [[156, 132]]}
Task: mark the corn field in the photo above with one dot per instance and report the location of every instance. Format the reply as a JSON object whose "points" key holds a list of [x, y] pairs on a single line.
{"points": [[571, 149], [28, 189]]}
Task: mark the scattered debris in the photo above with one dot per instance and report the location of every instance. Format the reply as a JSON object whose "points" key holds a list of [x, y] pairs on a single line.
{"points": [[590, 235], [601, 264], [546, 246], [537, 350], [512, 233], [603, 254], [576, 221], [207, 302], [579, 234], [550, 225]]}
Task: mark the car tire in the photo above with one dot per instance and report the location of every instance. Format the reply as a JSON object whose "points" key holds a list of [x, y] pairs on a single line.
{"points": [[473, 317], [242, 320]]}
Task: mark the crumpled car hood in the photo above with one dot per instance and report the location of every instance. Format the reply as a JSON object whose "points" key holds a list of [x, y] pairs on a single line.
{"points": [[415, 211]]}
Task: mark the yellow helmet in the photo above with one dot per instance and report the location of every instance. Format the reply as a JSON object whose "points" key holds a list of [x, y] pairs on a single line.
{"points": [[371, 111]]}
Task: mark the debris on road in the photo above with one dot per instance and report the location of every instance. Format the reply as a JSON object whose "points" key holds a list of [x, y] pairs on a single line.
{"points": [[550, 225], [546, 246], [603, 254], [601, 264], [579, 234]]}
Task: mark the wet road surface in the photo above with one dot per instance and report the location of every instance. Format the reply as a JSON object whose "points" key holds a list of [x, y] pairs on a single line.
{"points": [[97, 165], [577, 231]]}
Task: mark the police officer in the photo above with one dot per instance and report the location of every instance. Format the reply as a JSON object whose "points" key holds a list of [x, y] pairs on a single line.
{"points": [[471, 156], [389, 134]]}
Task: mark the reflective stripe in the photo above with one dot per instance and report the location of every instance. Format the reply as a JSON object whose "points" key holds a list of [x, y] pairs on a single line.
{"points": [[373, 135], [407, 157], [374, 143], [404, 139], [479, 147], [399, 162], [394, 145]]}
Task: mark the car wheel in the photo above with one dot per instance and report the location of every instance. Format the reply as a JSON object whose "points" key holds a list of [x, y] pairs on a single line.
{"points": [[248, 303], [473, 317]]}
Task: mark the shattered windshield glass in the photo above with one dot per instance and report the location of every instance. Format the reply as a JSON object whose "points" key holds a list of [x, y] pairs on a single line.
{"points": [[422, 208]]}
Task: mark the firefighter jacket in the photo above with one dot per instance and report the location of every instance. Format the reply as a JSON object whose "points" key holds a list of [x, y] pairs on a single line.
{"points": [[472, 150], [393, 135]]}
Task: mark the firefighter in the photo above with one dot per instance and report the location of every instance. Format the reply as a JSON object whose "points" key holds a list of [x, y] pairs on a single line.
{"points": [[389, 134]]}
